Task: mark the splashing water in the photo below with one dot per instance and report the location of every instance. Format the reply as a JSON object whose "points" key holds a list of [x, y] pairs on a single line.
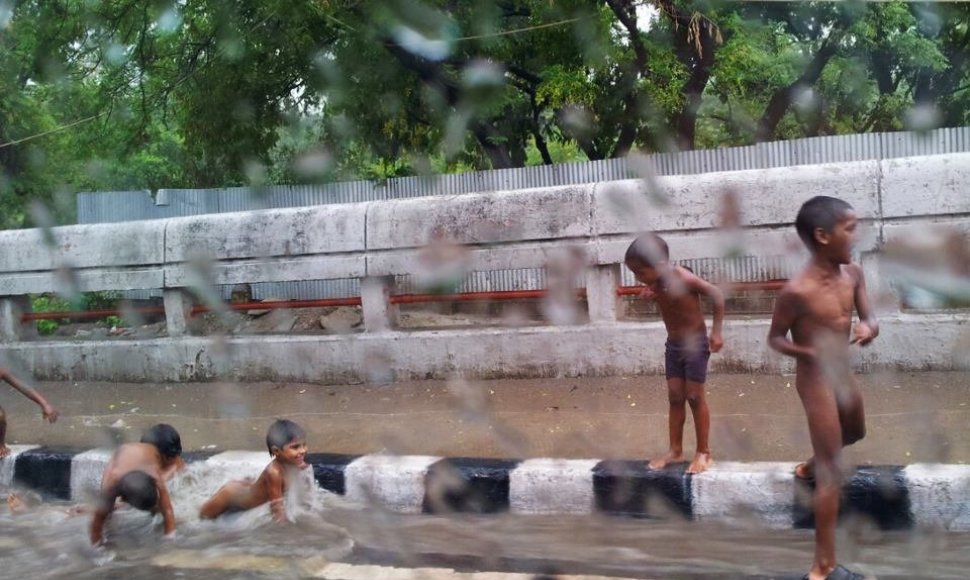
{"points": [[55, 535]]}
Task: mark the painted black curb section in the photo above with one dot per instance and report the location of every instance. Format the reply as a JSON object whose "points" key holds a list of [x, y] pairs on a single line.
{"points": [[468, 485], [630, 488], [328, 470], [46, 470], [880, 493]]}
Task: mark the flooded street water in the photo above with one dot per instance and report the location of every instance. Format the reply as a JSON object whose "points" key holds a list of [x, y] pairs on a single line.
{"points": [[45, 541]]}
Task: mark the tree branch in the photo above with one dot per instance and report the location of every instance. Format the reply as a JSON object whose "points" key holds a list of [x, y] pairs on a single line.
{"points": [[537, 130], [526, 75], [626, 13], [782, 99], [431, 74]]}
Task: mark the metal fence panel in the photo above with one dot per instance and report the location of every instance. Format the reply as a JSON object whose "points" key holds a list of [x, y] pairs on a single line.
{"points": [[114, 206], [106, 207]]}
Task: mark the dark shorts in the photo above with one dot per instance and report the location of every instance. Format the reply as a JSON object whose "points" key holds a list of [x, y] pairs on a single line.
{"points": [[687, 359]]}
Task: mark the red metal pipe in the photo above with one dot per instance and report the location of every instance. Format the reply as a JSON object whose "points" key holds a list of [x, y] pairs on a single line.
{"points": [[355, 301], [283, 304], [466, 296], [87, 314], [475, 296], [767, 285]]}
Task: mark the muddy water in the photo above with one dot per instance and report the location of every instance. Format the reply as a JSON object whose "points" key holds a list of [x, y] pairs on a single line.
{"points": [[911, 417], [45, 541]]}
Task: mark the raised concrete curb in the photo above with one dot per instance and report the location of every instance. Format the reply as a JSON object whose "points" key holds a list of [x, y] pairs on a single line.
{"points": [[763, 494]]}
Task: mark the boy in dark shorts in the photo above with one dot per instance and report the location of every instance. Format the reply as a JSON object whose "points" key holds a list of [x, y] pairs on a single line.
{"points": [[286, 443], [136, 474], [816, 307], [677, 292], [50, 413]]}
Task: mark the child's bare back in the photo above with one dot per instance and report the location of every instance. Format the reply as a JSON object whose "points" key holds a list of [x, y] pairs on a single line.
{"points": [[132, 457], [246, 494]]}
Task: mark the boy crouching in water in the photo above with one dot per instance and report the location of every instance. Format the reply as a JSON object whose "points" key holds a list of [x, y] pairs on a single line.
{"points": [[286, 443], [136, 474], [816, 306], [677, 292]]}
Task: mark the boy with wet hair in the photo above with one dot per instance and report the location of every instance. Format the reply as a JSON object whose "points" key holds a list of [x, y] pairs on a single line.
{"points": [[136, 474], [169, 443], [677, 292], [49, 412], [286, 443], [816, 307]]}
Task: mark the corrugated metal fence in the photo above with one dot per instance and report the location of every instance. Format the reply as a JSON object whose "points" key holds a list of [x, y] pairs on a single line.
{"points": [[121, 206]]}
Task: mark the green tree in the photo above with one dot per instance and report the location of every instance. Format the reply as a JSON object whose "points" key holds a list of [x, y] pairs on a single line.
{"points": [[136, 94]]}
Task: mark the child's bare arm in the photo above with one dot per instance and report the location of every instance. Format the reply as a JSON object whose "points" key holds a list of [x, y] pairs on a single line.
{"points": [[50, 413], [175, 465], [274, 490], [165, 507], [105, 507], [868, 327], [786, 311], [698, 284]]}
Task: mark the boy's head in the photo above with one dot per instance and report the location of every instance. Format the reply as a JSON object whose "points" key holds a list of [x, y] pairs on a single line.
{"points": [[647, 258], [286, 441], [165, 438], [138, 490], [827, 225]]}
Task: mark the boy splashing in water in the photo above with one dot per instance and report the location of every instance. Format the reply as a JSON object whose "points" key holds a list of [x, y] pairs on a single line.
{"points": [[677, 292], [816, 306], [286, 443], [136, 474]]}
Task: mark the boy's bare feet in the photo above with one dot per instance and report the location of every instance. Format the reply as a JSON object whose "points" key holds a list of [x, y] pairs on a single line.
{"points": [[700, 463], [667, 459], [806, 470], [838, 573]]}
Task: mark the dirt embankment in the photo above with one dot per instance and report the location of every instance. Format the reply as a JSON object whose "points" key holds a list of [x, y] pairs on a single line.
{"points": [[300, 321]]}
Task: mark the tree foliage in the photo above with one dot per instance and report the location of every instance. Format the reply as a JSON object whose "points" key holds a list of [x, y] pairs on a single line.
{"points": [[143, 94]]}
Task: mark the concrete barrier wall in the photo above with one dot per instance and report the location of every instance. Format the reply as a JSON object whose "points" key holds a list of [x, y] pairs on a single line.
{"points": [[505, 230], [99, 257], [767, 197], [386, 235], [323, 242], [925, 186]]}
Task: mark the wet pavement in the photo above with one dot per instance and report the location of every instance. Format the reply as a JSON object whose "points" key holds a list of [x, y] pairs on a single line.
{"points": [[912, 417]]}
